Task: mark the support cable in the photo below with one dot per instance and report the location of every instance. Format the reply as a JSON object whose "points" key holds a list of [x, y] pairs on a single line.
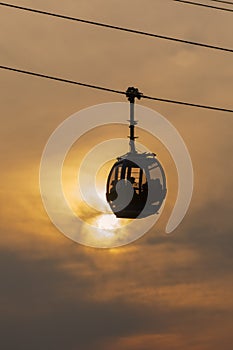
{"points": [[113, 90], [134, 31]]}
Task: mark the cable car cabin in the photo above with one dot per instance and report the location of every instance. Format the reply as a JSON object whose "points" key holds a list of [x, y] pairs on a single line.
{"points": [[136, 186]]}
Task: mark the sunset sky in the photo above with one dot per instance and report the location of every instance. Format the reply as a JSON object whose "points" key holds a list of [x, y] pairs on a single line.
{"points": [[165, 292]]}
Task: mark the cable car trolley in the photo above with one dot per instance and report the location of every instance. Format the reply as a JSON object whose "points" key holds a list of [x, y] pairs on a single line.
{"points": [[136, 185]]}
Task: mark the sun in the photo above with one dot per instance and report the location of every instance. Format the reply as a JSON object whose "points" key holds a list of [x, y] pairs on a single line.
{"points": [[108, 222]]}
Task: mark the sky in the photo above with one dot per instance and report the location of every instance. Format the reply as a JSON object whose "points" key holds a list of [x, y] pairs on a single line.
{"points": [[166, 292]]}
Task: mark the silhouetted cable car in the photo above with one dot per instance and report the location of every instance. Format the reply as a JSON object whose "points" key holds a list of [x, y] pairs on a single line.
{"points": [[136, 185]]}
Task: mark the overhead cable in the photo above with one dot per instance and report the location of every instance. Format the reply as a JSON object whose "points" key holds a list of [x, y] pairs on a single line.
{"points": [[223, 2], [113, 90], [133, 31], [204, 5]]}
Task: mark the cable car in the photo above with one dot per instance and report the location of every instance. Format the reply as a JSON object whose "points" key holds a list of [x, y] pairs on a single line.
{"points": [[136, 185]]}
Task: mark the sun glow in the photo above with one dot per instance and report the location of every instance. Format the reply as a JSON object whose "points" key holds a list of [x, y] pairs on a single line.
{"points": [[108, 222], [108, 228]]}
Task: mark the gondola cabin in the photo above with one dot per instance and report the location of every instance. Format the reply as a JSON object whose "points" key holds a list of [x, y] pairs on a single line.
{"points": [[136, 185]]}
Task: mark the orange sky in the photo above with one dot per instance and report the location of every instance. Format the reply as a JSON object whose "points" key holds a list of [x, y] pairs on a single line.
{"points": [[165, 293]]}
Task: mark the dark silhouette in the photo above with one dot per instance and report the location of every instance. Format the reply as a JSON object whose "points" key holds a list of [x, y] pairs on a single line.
{"points": [[132, 180], [148, 193], [142, 171], [112, 195]]}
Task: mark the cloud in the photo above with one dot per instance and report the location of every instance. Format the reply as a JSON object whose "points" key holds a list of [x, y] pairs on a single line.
{"points": [[160, 292], [42, 313]]}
